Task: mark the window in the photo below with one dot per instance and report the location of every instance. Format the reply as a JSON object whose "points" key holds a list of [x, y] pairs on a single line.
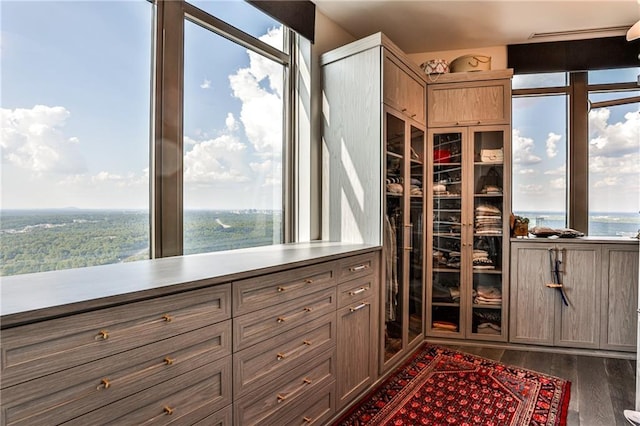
{"points": [[602, 195], [142, 129], [75, 134]]}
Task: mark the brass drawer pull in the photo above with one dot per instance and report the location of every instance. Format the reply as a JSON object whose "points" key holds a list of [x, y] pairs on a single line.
{"points": [[104, 334], [358, 291], [306, 381], [281, 289], [308, 309], [169, 361], [358, 268], [167, 317], [104, 384], [307, 342], [554, 285], [308, 281], [281, 397], [281, 320], [280, 356], [357, 308], [307, 419], [168, 410]]}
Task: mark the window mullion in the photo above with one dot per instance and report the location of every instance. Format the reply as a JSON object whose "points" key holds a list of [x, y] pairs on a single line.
{"points": [[578, 153]]}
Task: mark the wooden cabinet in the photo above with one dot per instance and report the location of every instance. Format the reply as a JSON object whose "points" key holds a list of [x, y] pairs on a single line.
{"points": [[357, 335], [619, 297], [373, 171], [600, 282], [471, 98], [127, 364]]}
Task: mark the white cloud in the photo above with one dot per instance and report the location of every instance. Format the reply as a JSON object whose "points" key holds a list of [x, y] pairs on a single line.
{"points": [[231, 122], [560, 171], [526, 171], [206, 84], [523, 149], [607, 181], [33, 139], [558, 183], [552, 142], [614, 139], [217, 160], [269, 171], [530, 189]]}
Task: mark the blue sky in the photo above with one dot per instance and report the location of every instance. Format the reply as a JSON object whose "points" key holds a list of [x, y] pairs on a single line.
{"points": [[76, 103]]}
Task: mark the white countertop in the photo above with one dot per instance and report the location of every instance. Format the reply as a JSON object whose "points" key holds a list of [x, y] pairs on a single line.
{"points": [[32, 297], [588, 239]]}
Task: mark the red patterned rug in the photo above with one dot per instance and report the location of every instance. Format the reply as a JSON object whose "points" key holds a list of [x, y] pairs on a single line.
{"points": [[439, 386]]}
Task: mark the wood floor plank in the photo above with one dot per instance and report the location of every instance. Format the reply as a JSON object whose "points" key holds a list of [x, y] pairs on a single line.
{"points": [[565, 366], [538, 361], [621, 381], [492, 353], [594, 397], [512, 357]]}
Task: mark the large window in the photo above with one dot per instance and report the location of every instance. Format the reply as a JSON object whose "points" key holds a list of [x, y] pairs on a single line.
{"points": [[576, 163], [75, 117], [137, 129]]}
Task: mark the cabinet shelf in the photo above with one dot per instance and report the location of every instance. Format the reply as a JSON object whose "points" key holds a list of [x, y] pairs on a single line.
{"points": [[447, 164], [445, 270], [492, 195], [487, 306], [487, 271], [486, 163], [448, 304]]}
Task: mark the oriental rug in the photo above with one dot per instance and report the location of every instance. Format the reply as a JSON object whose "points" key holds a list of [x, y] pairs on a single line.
{"points": [[439, 386]]}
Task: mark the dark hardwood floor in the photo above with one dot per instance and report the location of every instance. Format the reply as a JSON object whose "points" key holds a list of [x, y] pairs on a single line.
{"points": [[601, 388]]}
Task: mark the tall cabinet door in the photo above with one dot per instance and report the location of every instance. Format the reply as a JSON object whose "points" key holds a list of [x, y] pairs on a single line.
{"points": [[488, 229], [403, 236], [448, 287]]}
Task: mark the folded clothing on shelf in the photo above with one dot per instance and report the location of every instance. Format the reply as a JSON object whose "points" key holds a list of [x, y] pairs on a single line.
{"points": [[444, 325]]}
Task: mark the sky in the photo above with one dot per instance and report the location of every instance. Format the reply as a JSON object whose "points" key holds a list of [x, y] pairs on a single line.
{"points": [[75, 108]]}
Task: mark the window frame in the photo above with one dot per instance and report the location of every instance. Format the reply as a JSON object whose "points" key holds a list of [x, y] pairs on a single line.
{"points": [[166, 194], [577, 177]]}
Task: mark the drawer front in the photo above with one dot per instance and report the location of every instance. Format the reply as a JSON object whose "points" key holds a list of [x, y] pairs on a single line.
{"points": [[62, 396], [356, 290], [264, 324], [223, 417], [314, 411], [185, 399], [262, 292], [357, 266], [264, 362], [286, 391], [37, 349]]}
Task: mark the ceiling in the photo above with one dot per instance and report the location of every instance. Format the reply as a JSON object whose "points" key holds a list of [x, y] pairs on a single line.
{"points": [[436, 25]]}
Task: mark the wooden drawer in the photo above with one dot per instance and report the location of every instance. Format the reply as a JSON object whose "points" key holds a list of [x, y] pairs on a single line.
{"points": [[185, 399], [356, 290], [37, 349], [286, 391], [264, 324], [262, 292], [313, 411], [64, 395], [264, 362], [223, 417], [354, 267]]}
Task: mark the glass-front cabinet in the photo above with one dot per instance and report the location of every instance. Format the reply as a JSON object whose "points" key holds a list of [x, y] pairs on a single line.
{"points": [[469, 233], [404, 239]]}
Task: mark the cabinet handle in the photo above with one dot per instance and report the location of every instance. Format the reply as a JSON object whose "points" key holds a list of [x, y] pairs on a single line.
{"points": [[307, 342], [358, 291], [307, 419], [280, 356], [306, 381], [308, 281], [479, 122], [281, 320], [357, 308], [103, 334], [554, 285], [104, 384], [404, 110], [308, 309], [167, 318], [413, 115], [358, 268], [168, 410], [281, 397], [281, 289], [169, 361]]}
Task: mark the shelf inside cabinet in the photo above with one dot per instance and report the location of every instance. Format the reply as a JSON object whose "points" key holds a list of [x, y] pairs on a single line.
{"points": [[487, 271], [486, 163], [449, 304], [492, 195], [445, 270], [482, 306]]}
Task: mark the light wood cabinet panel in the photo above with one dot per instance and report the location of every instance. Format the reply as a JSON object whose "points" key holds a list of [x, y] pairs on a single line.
{"points": [[41, 348], [353, 291], [619, 297], [185, 399], [469, 103], [357, 266], [90, 386], [402, 89], [222, 417], [532, 303], [268, 290], [313, 411]]}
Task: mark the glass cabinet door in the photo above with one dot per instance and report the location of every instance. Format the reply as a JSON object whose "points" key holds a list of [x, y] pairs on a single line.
{"points": [[416, 230], [394, 233], [447, 293], [489, 230]]}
